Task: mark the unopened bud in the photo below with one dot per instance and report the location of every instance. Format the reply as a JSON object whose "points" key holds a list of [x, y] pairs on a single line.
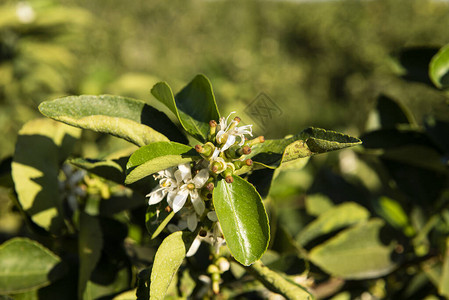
{"points": [[257, 140], [218, 165], [227, 174], [205, 150], [241, 163], [210, 186], [213, 128], [245, 150]]}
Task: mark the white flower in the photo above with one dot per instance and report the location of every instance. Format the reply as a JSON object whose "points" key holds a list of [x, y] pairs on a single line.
{"points": [[190, 187], [228, 134], [168, 184], [213, 237], [188, 219]]}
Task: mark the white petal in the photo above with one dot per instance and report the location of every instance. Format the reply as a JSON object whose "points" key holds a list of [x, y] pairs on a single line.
{"points": [[198, 204], [201, 178], [246, 129], [215, 154], [178, 176], [229, 142], [192, 222], [171, 196], [185, 172], [194, 247], [179, 200], [157, 196]]}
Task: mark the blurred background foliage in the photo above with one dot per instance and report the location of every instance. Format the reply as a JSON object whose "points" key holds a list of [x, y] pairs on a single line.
{"points": [[359, 67], [323, 63]]}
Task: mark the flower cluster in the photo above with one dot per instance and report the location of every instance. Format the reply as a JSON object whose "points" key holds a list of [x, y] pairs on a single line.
{"points": [[222, 154], [228, 146], [177, 184]]}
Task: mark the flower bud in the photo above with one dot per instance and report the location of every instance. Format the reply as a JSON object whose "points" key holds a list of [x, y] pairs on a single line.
{"points": [[227, 174], [205, 150], [212, 129], [218, 165], [241, 163], [257, 140]]}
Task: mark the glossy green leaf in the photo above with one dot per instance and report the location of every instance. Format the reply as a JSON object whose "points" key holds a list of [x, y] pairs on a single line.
{"points": [[155, 157], [26, 265], [333, 219], [126, 118], [194, 105], [169, 257], [242, 218], [89, 248], [356, 253], [439, 68], [42, 145], [311, 141]]}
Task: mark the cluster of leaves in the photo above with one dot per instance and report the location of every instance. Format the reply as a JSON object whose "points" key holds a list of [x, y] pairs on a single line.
{"points": [[379, 227], [86, 239]]}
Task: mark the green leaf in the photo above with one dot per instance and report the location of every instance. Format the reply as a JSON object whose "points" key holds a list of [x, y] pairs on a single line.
{"points": [[356, 253], [156, 221], [42, 145], [105, 290], [125, 118], [168, 258], [311, 141], [194, 105], [443, 285], [243, 219], [155, 157], [333, 219], [26, 265], [439, 68], [109, 169], [392, 212], [89, 248], [276, 283]]}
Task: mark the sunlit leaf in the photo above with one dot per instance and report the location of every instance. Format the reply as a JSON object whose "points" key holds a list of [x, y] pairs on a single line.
{"points": [[439, 68], [334, 218], [26, 265], [194, 105], [126, 118], [167, 261], [242, 218], [155, 157], [42, 145], [311, 141]]}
